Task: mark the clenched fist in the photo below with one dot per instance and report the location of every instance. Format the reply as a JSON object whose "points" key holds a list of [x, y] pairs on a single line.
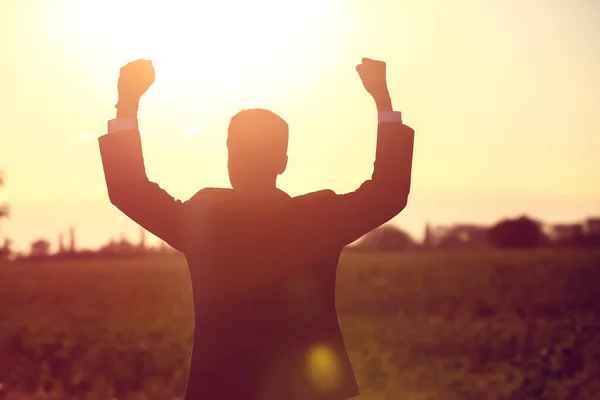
{"points": [[373, 76], [134, 79]]}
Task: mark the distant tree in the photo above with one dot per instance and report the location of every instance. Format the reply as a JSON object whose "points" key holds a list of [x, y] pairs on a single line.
{"points": [[593, 226], [567, 234], [6, 248], [3, 207], [593, 231], [579, 237], [4, 213], [464, 236], [429, 240], [40, 248], [519, 232], [386, 238]]}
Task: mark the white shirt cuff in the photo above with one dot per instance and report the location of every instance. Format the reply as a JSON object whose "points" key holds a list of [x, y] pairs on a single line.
{"points": [[122, 124], [389, 116]]}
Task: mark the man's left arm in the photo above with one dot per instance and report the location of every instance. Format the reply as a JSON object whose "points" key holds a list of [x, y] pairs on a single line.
{"points": [[347, 217]]}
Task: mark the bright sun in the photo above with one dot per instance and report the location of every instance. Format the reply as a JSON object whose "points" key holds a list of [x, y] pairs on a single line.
{"points": [[216, 43]]}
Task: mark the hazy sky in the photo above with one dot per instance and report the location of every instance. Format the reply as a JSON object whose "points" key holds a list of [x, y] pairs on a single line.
{"points": [[504, 98]]}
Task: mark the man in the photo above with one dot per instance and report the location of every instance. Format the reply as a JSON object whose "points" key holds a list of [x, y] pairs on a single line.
{"points": [[262, 264]]}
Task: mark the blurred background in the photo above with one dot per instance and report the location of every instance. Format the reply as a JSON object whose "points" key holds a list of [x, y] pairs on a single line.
{"points": [[485, 286]]}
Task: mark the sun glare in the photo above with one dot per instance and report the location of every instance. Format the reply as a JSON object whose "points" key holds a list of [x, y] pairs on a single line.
{"points": [[85, 136], [218, 44], [192, 130]]}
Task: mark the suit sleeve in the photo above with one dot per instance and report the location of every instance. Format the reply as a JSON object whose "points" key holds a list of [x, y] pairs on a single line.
{"points": [[130, 190], [347, 217]]}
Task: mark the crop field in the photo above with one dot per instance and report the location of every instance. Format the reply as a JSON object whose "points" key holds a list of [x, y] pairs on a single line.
{"points": [[439, 325]]}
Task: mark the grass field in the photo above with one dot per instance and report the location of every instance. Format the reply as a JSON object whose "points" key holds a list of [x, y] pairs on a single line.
{"points": [[453, 325]]}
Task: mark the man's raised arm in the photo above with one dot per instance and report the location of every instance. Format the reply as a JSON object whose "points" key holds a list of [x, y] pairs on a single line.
{"points": [[349, 216], [121, 149]]}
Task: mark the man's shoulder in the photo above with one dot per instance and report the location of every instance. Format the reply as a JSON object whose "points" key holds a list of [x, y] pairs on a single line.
{"points": [[319, 195], [222, 196], [209, 195]]}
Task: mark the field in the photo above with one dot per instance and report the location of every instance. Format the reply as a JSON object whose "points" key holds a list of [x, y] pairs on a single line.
{"points": [[441, 325]]}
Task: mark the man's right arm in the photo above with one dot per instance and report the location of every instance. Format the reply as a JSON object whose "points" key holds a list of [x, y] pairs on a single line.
{"points": [[129, 188]]}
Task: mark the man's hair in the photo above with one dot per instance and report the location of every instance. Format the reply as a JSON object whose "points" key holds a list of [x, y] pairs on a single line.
{"points": [[258, 130]]}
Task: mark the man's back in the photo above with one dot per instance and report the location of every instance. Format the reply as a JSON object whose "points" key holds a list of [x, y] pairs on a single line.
{"points": [[263, 277]]}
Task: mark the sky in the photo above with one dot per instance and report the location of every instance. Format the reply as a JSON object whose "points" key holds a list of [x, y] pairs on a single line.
{"points": [[503, 96]]}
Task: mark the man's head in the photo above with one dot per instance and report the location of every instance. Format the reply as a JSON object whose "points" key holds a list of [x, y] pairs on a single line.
{"points": [[257, 143]]}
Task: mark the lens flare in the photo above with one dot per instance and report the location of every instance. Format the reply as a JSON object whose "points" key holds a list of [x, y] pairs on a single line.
{"points": [[323, 368]]}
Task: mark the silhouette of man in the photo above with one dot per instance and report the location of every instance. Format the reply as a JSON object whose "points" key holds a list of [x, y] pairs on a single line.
{"points": [[262, 264]]}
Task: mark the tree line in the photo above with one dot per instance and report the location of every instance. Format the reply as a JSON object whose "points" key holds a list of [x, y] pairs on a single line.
{"points": [[520, 232]]}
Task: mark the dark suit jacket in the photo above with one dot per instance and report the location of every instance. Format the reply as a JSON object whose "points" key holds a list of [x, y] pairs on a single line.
{"points": [[263, 269]]}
